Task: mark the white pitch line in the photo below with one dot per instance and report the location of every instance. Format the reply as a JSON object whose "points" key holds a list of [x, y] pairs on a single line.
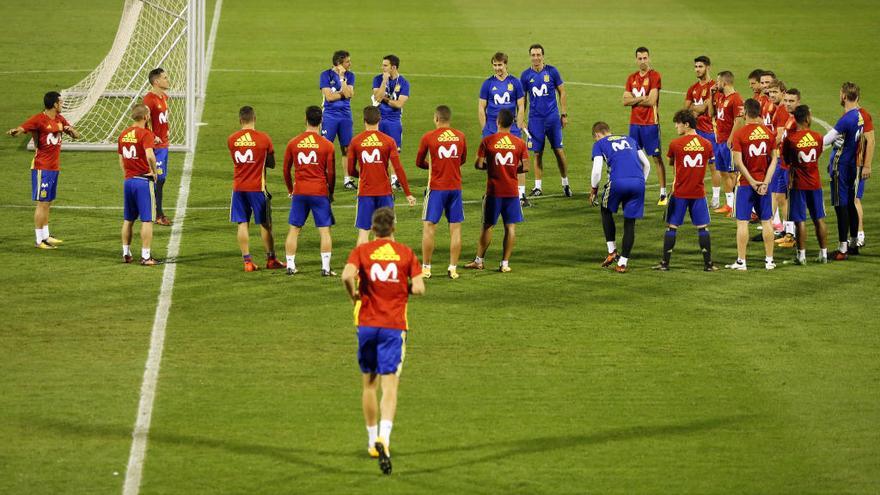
{"points": [[140, 435]]}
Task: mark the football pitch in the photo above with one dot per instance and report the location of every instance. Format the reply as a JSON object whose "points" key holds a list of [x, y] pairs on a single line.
{"points": [[558, 377]]}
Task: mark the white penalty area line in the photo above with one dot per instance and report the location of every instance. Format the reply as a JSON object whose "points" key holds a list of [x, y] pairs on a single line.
{"points": [[134, 470]]}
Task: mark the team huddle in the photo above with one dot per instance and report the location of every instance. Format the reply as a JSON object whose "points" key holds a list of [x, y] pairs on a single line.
{"points": [[761, 152]]}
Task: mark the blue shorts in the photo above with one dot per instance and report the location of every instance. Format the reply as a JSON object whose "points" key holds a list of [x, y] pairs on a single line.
{"points": [[246, 202], [843, 189], [779, 183], [161, 163], [139, 200], [549, 127], [629, 192], [492, 128], [698, 208], [319, 206], [439, 203], [647, 137], [709, 136], [337, 126], [508, 208], [393, 128], [381, 350], [44, 185], [860, 190], [799, 201], [723, 158], [746, 199], [366, 205]]}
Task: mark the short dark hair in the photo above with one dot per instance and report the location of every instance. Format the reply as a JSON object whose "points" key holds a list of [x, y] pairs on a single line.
{"points": [[372, 115], [505, 118], [314, 115], [499, 57], [801, 114], [726, 75], [139, 112], [756, 74], [753, 108], [793, 91], [50, 99], [776, 83], [246, 114], [769, 73], [600, 126], [538, 46], [642, 49], [703, 60], [851, 91], [339, 56], [383, 221], [685, 117], [394, 60], [444, 113], [155, 74]]}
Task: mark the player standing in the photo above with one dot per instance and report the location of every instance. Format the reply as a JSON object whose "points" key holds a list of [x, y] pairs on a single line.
{"points": [[779, 183], [314, 161], [379, 276], [755, 154], [374, 150], [156, 100], [642, 93], [138, 164], [252, 152], [689, 154], [697, 100], [46, 128], [755, 84], [337, 90], [541, 83], [628, 168], [447, 149], [390, 92], [727, 106], [866, 157], [504, 157]]}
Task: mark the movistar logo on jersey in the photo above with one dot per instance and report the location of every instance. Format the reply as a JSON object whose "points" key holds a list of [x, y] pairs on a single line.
{"points": [[163, 117], [53, 139], [129, 152], [385, 252], [245, 140], [502, 99], [310, 158], [758, 133], [541, 90], [807, 141], [447, 136], [308, 142], [694, 145], [371, 140], [505, 144], [450, 152], [130, 137]]}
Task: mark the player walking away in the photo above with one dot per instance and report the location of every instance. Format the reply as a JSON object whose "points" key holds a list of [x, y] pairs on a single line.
{"points": [[46, 128], [156, 100], [337, 89], [390, 92], [503, 156], [138, 163], [628, 169], [541, 84], [379, 276], [847, 139], [642, 93], [779, 183], [502, 91], [689, 154], [755, 154], [374, 150], [727, 106], [252, 152], [866, 156], [311, 188], [698, 101], [802, 149], [447, 149]]}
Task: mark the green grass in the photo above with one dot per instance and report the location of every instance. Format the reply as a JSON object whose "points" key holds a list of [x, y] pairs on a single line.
{"points": [[556, 378]]}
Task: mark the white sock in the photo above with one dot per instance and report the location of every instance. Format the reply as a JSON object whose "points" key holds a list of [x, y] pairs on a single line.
{"points": [[842, 247], [716, 193], [789, 227], [612, 246], [126, 249], [372, 434], [478, 260], [728, 197], [347, 179], [538, 183], [325, 261], [385, 431], [622, 261], [145, 253], [452, 268], [291, 262], [768, 259], [823, 252], [861, 236], [802, 254], [740, 262], [776, 217], [39, 234], [565, 181], [662, 191], [46, 234], [505, 263], [393, 178], [522, 190], [426, 267]]}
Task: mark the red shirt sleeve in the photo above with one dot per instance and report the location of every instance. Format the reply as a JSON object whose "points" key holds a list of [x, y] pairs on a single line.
{"points": [[422, 153], [739, 108], [32, 124], [330, 157], [352, 160], [147, 140], [398, 168], [288, 162], [354, 258], [670, 153], [736, 143], [463, 149], [415, 268], [655, 80]]}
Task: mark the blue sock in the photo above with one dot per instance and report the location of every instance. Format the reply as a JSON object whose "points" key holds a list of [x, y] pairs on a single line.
{"points": [[668, 244]]}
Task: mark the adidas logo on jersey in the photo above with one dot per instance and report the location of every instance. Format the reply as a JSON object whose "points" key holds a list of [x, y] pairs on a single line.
{"points": [[505, 144], [807, 141], [385, 253], [130, 137], [371, 140], [308, 142], [245, 140], [758, 133], [694, 145], [447, 136]]}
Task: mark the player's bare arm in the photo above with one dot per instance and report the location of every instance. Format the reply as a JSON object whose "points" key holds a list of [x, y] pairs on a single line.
{"points": [[481, 112], [151, 160], [330, 95], [349, 279], [650, 100], [417, 285], [629, 100], [521, 114], [563, 104], [71, 131], [869, 155], [15, 132], [737, 123], [480, 164], [523, 166], [398, 103]]}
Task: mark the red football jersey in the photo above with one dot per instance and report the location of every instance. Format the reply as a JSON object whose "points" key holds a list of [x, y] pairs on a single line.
{"points": [[727, 109], [803, 148], [47, 133], [756, 143], [248, 149], [640, 86], [133, 144], [869, 122], [867, 127], [448, 150], [699, 94], [373, 150], [504, 154], [780, 119], [158, 106], [314, 162], [384, 269], [690, 154]]}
